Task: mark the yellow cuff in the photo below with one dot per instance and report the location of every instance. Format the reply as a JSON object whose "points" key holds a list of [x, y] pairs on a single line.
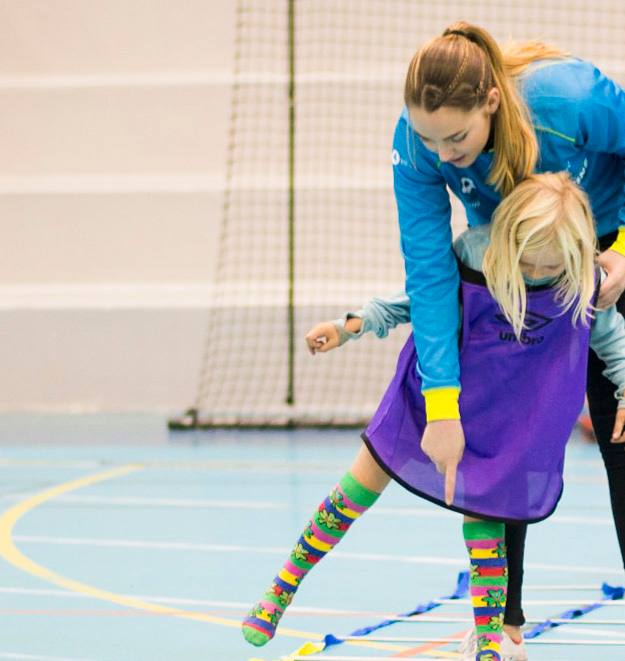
{"points": [[442, 404], [619, 245]]}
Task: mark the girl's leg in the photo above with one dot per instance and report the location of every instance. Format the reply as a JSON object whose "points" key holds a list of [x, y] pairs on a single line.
{"points": [[488, 583], [357, 490]]}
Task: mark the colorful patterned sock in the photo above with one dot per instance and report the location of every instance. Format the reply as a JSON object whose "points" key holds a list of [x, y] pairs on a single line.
{"points": [[488, 584], [347, 501]]}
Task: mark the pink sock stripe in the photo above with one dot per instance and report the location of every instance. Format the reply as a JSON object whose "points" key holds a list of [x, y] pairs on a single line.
{"points": [[493, 637], [481, 590], [350, 504], [484, 543], [270, 607], [294, 569], [323, 536]]}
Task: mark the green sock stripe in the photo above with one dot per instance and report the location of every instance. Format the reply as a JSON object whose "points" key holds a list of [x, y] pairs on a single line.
{"points": [[488, 630], [484, 530], [355, 491], [491, 581]]}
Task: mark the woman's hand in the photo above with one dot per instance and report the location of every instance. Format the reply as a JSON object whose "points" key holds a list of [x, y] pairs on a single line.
{"points": [[613, 263], [619, 423], [443, 442]]}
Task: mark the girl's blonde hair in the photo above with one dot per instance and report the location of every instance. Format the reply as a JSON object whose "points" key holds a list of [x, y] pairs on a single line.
{"points": [[459, 69], [544, 211]]}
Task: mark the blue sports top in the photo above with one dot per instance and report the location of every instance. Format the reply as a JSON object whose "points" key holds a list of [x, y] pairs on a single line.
{"points": [[579, 118]]}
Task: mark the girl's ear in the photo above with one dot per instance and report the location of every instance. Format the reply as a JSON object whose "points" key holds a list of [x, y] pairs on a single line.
{"points": [[492, 101]]}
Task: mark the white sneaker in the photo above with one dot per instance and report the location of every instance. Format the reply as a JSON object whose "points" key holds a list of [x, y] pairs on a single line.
{"points": [[510, 651]]}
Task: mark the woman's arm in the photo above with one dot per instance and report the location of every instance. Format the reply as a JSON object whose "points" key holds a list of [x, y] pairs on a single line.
{"points": [[602, 129], [432, 279]]}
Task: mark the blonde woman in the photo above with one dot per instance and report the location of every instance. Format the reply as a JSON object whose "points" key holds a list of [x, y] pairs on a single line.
{"points": [[478, 119], [523, 357]]}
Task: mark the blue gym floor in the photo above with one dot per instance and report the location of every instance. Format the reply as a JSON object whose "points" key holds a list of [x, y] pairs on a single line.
{"points": [[121, 541]]}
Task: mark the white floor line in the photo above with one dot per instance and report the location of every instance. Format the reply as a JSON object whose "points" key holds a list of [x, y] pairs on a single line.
{"points": [[161, 600], [160, 502], [614, 571], [547, 602], [444, 640], [556, 588], [359, 658], [44, 593], [233, 605], [255, 505], [386, 658], [38, 657], [226, 548], [573, 629], [460, 563], [444, 620], [586, 520], [575, 643]]}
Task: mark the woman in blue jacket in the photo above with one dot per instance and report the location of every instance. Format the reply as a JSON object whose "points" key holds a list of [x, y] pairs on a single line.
{"points": [[477, 120]]}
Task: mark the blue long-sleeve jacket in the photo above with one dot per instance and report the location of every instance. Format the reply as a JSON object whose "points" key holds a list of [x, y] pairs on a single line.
{"points": [[579, 118]]}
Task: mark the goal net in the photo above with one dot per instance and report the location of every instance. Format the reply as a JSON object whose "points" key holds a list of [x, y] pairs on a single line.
{"points": [[309, 227]]}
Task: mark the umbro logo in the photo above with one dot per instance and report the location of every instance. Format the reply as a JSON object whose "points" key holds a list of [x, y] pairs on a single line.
{"points": [[533, 321]]}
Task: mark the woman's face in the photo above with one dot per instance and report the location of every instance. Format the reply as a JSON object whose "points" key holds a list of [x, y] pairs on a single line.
{"points": [[457, 136]]}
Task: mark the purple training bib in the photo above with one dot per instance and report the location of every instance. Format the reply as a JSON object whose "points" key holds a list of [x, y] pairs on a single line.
{"points": [[519, 403]]}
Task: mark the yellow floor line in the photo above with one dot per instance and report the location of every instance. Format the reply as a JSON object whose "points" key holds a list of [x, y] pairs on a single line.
{"points": [[12, 554]]}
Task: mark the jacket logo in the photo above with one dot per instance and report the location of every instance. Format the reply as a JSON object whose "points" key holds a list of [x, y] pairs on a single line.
{"points": [[467, 186], [469, 191], [582, 171]]}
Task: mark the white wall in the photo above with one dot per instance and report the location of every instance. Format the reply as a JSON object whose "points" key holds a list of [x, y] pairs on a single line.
{"points": [[113, 134], [113, 144]]}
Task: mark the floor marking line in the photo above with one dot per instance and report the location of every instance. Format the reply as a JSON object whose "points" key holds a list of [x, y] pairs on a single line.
{"points": [[302, 611], [14, 556], [428, 647], [338, 554], [444, 640], [231, 548], [246, 505], [36, 657]]}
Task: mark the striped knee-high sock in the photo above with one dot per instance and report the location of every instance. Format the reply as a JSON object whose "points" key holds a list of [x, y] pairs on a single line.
{"points": [[488, 584], [346, 502]]}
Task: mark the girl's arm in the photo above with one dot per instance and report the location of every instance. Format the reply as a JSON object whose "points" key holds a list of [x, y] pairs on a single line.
{"points": [[378, 316], [607, 339], [381, 314]]}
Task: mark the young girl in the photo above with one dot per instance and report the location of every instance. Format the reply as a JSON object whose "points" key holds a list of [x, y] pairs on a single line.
{"points": [[526, 330], [478, 119]]}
